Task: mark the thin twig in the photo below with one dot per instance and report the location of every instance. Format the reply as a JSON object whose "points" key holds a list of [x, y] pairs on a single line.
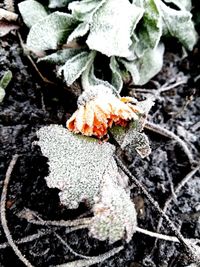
{"points": [[34, 218], [172, 86], [31, 60], [157, 207], [26, 239], [157, 92], [164, 132], [93, 260], [70, 249], [157, 235], [3, 212], [176, 191]]}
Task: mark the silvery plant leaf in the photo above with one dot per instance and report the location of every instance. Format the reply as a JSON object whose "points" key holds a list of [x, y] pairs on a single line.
{"points": [[84, 10], [106, 34], [182, 4], [51, 31], [58, 3], [31, 11], [114, 213], [61, 56], [151, 28], [132, 136], [90, 81], [75, 66], [76, 164], [178, 23], [145, 67], [80, 31]]}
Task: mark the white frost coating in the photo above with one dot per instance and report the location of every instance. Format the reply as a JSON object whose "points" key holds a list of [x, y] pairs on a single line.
{"points": [[80, 31], [84, 10], [111, 27], [74, 67], [150, 64], [31, 11], [60, 57], [51, 31], [76, 164], [178, 23], [114, 212]]}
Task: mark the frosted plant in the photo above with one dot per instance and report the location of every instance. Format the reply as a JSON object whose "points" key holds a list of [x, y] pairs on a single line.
{"points": [[127, 32], [85, 170], [98, 109]]}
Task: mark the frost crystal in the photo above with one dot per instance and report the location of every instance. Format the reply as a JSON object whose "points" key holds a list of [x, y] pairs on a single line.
{"points": [[76, 164]]}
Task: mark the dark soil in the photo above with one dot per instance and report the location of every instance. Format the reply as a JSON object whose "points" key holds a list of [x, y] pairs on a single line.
{"points": [[30, 104]]}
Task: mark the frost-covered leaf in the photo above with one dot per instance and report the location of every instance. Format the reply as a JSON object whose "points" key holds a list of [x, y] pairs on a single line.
{"points": [[75, 66], [132, 68], [178, 23], [61, 56], [147, 66], [84, 10], [150, 64], [32, 11], [90, 81], [58, 3], [51, 31], [80, 31], [116, 81], [132, 138], [182, 4], [114, 212], [76, 164], [107, 35], [151, 27]]}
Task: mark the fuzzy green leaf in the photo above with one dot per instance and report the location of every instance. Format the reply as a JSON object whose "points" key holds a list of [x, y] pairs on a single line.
{"points": [[76, 164], [61, 56], [151, 28], [51, 31], [90, 81], [80, 31], [5, 80], [31, 11], [107, 35], [84, 10], [147, 66], [178, 23], [75, 66]]}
